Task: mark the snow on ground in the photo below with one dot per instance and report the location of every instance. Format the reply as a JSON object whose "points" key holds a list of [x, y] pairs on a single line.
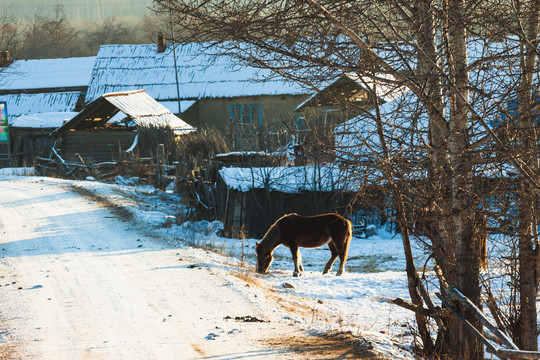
{"points": [[357, 302], [17, 171]]}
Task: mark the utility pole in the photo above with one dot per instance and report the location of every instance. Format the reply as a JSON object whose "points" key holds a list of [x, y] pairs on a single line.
{"points": [[174, 55]]}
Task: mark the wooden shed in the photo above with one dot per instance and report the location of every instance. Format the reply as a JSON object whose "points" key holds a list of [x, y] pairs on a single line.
{"points": [[39, 95], [249, 200], [29, 136], [111, 124]]}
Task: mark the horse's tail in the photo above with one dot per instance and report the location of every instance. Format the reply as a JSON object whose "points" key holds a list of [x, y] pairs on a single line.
{"points": [[348, 236], [349, 229]]}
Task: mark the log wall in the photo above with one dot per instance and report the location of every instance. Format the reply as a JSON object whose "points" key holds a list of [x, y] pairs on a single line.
{"points": [[97, 146]]}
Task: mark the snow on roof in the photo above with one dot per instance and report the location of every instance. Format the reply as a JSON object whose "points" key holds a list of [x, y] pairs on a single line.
{"points": [[146, 111], [46, 120], [405, 121], [137, 105], [47, 73], [287, 179], [25, 104], [129, 67], [383, 85]]}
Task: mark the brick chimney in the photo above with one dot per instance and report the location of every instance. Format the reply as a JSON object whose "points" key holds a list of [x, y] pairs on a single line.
{"points": [[4, 58], [161, 46]]}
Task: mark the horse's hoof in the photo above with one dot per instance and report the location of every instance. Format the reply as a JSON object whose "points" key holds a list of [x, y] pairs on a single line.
{"points": [[296, 274], [339, 273]]}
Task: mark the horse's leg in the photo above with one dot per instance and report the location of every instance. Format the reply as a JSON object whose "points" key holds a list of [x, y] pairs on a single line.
{"points": [[300, 261], [343, 252], [330, 262], [297, 260]]}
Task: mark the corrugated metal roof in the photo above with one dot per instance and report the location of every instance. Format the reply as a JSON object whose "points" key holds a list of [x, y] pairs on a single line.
{"points": [[47, 73], [137, 105], [24, 104], [146, 111], [129, 67], [173, 105]]}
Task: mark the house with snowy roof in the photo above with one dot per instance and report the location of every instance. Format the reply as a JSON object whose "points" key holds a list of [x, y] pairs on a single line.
{"points": [[40, 95], [45, 86], [206, 90], [345, 97]]}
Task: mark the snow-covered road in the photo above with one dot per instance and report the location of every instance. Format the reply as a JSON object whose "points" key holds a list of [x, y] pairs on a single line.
{"points": [[79, 282]]}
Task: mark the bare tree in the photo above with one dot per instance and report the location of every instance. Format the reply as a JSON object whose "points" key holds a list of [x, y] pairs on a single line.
{"points": [[108, 31], [50, 37], [454, 58], [10, 31]]}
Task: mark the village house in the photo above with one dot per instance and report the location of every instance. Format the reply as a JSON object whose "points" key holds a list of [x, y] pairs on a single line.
{"points": [[344, 98], [39, 96], [214, 91]]}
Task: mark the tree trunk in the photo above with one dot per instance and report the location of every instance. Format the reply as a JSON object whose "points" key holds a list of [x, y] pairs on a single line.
{"points": [[461, 213], [528, 277]]}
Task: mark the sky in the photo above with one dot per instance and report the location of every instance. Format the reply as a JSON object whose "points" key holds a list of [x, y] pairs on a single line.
{"points": [[77, 10]]}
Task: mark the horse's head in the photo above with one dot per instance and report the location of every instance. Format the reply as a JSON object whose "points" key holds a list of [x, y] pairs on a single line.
{"points": [[264, 258]]}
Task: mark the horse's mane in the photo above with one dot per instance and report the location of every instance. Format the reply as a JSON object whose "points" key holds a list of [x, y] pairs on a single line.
{"points": [[272, 235]]}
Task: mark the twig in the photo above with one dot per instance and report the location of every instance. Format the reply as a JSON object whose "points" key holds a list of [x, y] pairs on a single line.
{"points": [[515, 354], [58, 156], [435, 313]]}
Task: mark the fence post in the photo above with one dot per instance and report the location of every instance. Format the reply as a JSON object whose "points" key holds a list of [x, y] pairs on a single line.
{"points": [[160, 156]]}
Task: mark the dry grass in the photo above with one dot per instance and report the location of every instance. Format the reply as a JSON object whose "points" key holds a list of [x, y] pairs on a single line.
{"points": [[333, 345], [336, 345], [202, 143], [9, 352], [118, 210], [9, 348]]}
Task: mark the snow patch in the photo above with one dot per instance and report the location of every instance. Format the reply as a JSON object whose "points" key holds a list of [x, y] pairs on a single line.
{"points": [[21, 171]]}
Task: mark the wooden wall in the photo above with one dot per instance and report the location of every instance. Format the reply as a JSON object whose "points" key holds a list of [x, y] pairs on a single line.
{"points": [[251, 213], [5, 159], [26, 144], [97, 146], [256, 210], [215, 113]]}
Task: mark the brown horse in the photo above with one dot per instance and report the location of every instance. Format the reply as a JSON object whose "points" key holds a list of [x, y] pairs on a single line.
{"points": [[296, 231]]}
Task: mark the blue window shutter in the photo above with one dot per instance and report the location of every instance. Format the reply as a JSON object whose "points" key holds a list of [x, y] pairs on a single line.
{"points": [[235, 113]]}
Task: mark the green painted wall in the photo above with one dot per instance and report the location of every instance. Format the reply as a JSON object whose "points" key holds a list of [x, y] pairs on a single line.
{"points": [[270, 135], [215, 113]]}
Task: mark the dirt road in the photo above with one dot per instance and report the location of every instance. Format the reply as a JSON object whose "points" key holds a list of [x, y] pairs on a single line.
{"points": [[77, 282]]}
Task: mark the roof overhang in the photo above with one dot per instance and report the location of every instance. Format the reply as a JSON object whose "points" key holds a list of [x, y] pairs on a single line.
{"points": [[136, 104]]}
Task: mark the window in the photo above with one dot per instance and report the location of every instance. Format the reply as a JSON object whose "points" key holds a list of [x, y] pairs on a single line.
{"points": [[246, 113], [301, 124]]}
